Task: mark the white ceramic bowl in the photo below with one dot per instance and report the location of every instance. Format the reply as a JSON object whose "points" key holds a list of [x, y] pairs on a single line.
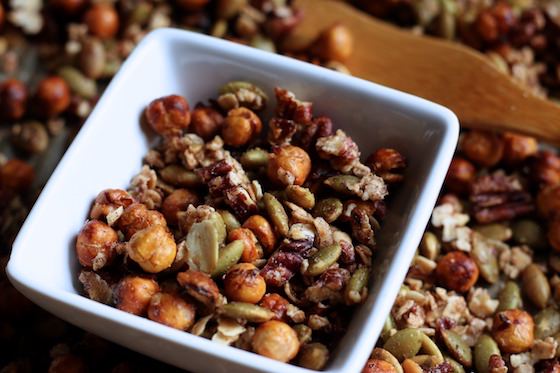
{"points": [[109, 149]]}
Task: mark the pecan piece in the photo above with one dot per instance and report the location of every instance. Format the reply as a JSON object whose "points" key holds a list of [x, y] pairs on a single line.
{"points": [[281, 267], [288, 107]]}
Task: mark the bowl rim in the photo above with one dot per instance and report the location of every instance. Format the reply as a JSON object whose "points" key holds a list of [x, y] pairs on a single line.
{"points": [[395, 275]]}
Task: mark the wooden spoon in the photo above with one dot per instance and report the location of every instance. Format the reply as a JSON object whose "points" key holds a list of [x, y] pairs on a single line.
{"points": [[448, 73]]}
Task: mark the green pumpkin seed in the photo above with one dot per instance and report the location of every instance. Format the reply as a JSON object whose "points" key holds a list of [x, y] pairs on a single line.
{"points": [[427, 361], [179, 176], [547, 323], [246, 311], [216, 219], [244, 94], [78, 82], [536, 286], [430, 347], [405, 343], [228, 256], [498, 232], [457, 368], [343, 183], [303, 332], [313, 356], [483, 349], [356, 289], [263, 43], [230, 220], [323, 259], [530, 233], [457, 347], [254, 158], [329, 209], [382, 354], [483, 253], [388, 327], [276, 213], [300, 196], [510, 297], [430, 246]]}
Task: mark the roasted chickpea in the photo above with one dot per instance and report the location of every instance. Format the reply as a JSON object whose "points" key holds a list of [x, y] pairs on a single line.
{"points": [[169, 115], [171, 310], [250, 251], [554, 234], [335, 43], [13, 99], [513, 330], [388, 163], [276, 340], [177, 201], [545, 168], [133, 294], [68, 7], [206, 122], [262, 230], [240, 126], [53, 96], [517, 148], [108, 201], [548, 202], [192, 5], [102, 20], [153, 248], [378, 366], [484, 148], [277, 304], [460, 176], [200, 286], [137, 217], [16, 175], [457, 271], [289, 165], [243, 283], [95, 246]]}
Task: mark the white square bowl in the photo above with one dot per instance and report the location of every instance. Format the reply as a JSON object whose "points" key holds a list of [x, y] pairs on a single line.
{"points": [[109, 149]]}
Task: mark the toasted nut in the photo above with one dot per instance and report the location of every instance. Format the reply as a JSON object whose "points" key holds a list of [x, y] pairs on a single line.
{"points": [[180, 177], [329, 209], [484, 255], [379, 366], [547, 323], [243, 283], [300, 196], [455, 366], [498, 232], [102, 20], [262, 230], [230, 220], [153, 248], [133, 294], [384, 355], [206, 122], [457, 347], [410, 366], [289, 165], [203, 245], [52, 96], [246, 94], [323, 259], [343, 183], [250, 251], [460, 175], [303, 333], [254, 158], [168, 115], [457, 271], [95, 246], [246, 311], [484, 348], [199, 286], [276, 340], [510, 297], [405, 343], [483, 148], [277, 304], [536, 286], [240, 126], [228, 256], [276, 213], [171, 310], [356, 289], [177, 201], [518, 147], [334, 43], [513, 330], [108, 201], [548, 201]]}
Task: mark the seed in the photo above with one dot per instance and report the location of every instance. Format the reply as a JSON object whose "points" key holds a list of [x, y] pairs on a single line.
{"points": [[430, 246], [410, 366], [79, 83], [178, 176], [388, 328], [323, 259], [430, 347], [277, 214], [263, 43], [529, 232], [92, 58], [510, 297], [202, 245], [342, 183], [427, 361], [498, 232], [303, 332], [484, 255], [247, 94], [483, 349], [455, 366], [356, 289], [329, 209], [300, 196], [547, 323], [220, 226], [246, 311], [228, 256], [382, 354], [536, 286], [405, 343], [457, 347], [254, 158], [314, 356], [230, 220]]}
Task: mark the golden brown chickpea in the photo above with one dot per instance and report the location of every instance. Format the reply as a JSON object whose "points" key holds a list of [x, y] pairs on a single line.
{"points": [[240, 126], [177, 201], [460, 176], [95, 246], [378, 366], [289, 165], [206, 122], [517, 148], [13, 99], [548, 202], [169, 115], [53, 96], [16, 175], [262, 230], [192, 5], [102, 20], [68, 7], [243, 283], [483, 148], [200, 286], [137, 217], [513, 330], [457, 271], [153, 248], [108, 201], [250, 250], [554, 234], [171, 310], [335, 43], [276, 340], [133, 294], [277, 304], [67, 363]]}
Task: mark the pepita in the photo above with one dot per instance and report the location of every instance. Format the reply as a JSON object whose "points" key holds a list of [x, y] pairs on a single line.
{"points": [[498, 232], [229, 220], [323, 259], [430, 246], [228, 256], [483, 253], [300, 196], [343, 183], [276, 213], [510, 297], [536, 286], [246, 311], [382, 354], [329, 209], [356, 289], [313, 356], [547, 323], [530, 233], [457, 347], [483, 349], [179, 176], [405, 343], [254, 158]]}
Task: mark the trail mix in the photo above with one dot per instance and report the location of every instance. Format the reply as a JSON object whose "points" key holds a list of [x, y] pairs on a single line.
{"points": [[482, 291], [260, 238]]}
